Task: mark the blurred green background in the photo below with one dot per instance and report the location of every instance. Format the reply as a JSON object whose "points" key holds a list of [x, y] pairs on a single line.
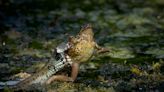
{"points": [[132, 29]]}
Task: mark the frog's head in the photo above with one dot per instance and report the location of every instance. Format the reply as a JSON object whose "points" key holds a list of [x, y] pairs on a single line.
{"points": [[86, 31]]}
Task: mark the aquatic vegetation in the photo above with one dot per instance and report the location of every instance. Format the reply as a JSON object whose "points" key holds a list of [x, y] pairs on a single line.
{"points": [[132, 29], [122, 53], [157, 52]]}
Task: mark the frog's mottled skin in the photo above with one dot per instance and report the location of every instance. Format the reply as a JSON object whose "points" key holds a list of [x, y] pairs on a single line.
{"points": [[82, 46]]}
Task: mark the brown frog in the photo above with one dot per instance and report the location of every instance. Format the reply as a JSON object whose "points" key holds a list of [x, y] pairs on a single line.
{"points": [[82, 48]]}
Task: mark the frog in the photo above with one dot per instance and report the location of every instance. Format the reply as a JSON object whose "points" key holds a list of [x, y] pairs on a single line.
{"points": [[81, 49]]}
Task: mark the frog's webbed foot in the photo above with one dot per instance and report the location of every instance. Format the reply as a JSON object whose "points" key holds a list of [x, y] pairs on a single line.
{"points": [[74, 73]]}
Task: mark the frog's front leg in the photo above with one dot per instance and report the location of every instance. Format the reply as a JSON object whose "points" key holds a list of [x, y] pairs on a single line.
{"points": [[101, 49], [74, 73]]}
